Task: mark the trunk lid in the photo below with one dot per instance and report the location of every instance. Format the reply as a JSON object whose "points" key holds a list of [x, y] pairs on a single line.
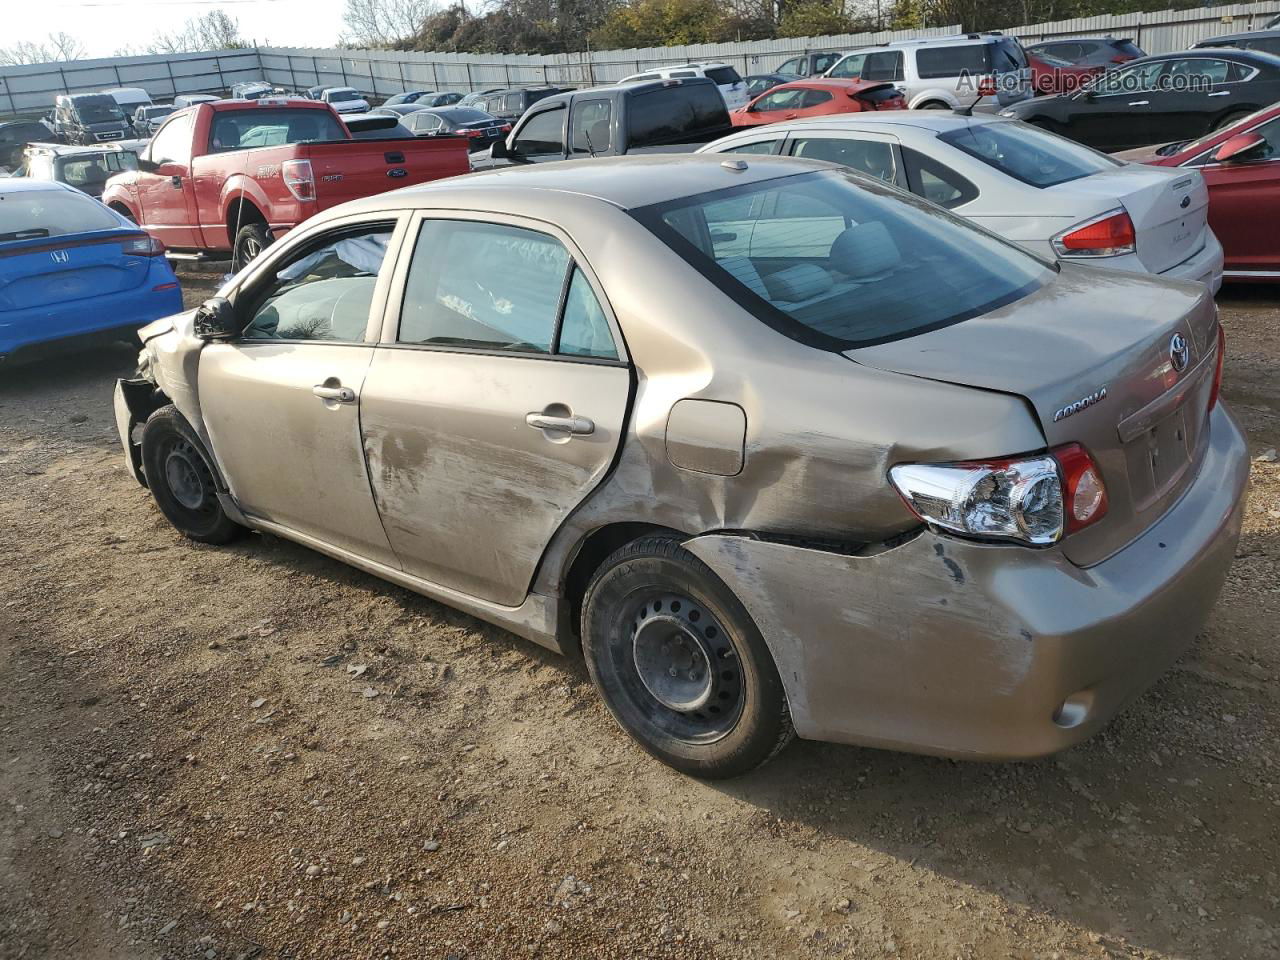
{"points": [[1169, 209], [347, 169], [51, 270], [1091, 353]]}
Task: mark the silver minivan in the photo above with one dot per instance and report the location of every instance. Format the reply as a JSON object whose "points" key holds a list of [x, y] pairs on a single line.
{"points": [[941, 73]]}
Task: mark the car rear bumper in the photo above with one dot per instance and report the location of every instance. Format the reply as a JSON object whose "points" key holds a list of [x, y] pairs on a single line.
{"points": [[79, 323], [956, 648], [1204, 266]]}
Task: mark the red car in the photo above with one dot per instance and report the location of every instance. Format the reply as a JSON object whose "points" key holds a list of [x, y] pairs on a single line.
{"points": [[1051, 76], [818, 97], [234, 175], [1241, 166]]}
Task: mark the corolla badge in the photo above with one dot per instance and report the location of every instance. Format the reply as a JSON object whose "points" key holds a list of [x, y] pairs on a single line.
{"points": [[1071, 409], [60, 256], [1179, 352]]}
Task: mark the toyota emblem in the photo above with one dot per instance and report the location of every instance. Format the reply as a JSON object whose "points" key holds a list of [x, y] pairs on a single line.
{"points": [[1179, 352]]}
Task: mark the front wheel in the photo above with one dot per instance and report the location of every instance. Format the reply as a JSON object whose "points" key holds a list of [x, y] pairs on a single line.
{"points": [[180, 475], [1230, 119], [680, 664]]}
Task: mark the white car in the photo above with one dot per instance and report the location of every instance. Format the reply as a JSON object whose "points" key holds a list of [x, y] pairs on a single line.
{"points": [[345, 100], [1051, 195], [732, 87]]}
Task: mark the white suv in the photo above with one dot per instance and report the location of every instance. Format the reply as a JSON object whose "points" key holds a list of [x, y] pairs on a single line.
{"points": [[732, 87], [945, 72]]}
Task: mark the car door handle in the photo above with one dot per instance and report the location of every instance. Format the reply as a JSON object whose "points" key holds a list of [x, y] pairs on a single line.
{"points": [[177, 182], [578, 426], [1221, 93], [1139, 103], [337, 394]]}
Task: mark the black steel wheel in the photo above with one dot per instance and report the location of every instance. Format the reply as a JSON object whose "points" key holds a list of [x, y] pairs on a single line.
{"points": [[680, 664], [251, 240], [181, 479]]}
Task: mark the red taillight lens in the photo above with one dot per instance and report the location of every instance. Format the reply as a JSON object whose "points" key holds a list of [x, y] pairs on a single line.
{"points": [[144, 246], [1110, 235], [472, 133], [1120, 58], [1084, 496], [987, 87], [1217, 370], [299, 178]]}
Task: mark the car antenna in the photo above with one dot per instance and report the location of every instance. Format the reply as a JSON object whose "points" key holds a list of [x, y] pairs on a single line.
{"points": [[967, 111]]}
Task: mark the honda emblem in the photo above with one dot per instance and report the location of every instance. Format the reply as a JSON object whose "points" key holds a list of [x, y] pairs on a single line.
{"points": [[60, 256]]}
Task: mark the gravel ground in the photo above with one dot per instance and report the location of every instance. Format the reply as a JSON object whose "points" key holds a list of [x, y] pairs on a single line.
{"points": [[255, 751]]}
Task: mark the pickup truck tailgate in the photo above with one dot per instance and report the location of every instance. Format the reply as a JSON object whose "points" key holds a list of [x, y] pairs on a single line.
{"points": [[347, 169]]}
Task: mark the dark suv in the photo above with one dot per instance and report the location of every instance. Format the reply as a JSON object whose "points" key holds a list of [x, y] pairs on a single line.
{"points": [[1268, 41], [511, 104], [1104, 52], [14, 137]]}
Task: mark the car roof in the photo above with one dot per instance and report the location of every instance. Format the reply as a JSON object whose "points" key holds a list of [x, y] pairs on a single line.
{"points": [[1255, 57], [66, 150], [1247, 35], [27, 185], [1072, 39], [934, 121], [622, 182], [954, 39], [838, 84]]}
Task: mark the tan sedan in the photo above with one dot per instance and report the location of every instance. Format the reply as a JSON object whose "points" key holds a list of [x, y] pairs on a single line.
{"points": [[778, 448]]}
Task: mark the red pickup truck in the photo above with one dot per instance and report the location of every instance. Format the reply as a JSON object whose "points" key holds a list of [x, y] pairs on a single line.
{"points": [[233, 175]]}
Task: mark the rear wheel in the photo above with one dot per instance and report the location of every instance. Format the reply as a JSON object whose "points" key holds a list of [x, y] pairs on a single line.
{"points": [[1230, 119], [180, 476], [680, 664], [251, 240], [933, 105]]}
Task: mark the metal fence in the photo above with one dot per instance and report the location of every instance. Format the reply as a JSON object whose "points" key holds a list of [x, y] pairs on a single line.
{"points": [[380, 73]]}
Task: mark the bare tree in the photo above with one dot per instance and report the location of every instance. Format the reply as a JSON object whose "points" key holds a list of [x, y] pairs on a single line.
{"points": [[59, 46], [383, 23], [213, 31]]}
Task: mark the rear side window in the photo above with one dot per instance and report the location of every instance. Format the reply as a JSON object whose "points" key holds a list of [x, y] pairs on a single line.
{"points": [[724, 76], [667, 115], [830, 262], [935, 181], [814, 98], [31, 214], [1027, 154], [824, 62], [1265, 44], [933, 62], [591, 126], [93, 170], [233, 129], [871, 157], [883, 66]]}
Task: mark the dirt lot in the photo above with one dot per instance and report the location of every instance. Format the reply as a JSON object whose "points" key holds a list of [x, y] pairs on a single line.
{"points": [[256, 751]]}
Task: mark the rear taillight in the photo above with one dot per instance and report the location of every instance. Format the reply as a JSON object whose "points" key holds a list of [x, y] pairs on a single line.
{"points": [[1035, 500], [1217, 369], [1119, 58], [143, 246], [987, 86], [1109, 235], [472, 133], [1084, 496], [299, 178]]}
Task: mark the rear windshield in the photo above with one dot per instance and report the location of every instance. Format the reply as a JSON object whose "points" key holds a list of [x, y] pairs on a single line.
{"points": [[1008, 55], [1128, 48], [838, 261], [87, 170], [270, 127], [464, 115], [152, 112], [341, 96], [671, 113], [1028, 154], [30, 214], [724, 76], [934, 62]]}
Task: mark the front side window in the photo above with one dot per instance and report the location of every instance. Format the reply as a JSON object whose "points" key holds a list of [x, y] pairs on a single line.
{"points": [[271, 126], [953, 61], [850, 67], [1142, 78], [780, 100], [591, 125], [883, 66], [325, 292], [173, 143], [760, 146], [542, 135], [871, 157], [828, 261], [1027, 154], [790, 66], [500, 289], [824, 62]]}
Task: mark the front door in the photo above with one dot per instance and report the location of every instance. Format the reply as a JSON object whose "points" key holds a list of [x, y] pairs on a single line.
{"points": [[166, 194], [1244, 205], [282, 402], [1121, 109], [495, 405]]}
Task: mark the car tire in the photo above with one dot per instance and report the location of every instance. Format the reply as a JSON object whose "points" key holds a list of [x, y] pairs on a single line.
{"points": [[180, 475], [680, 664], [251, 240], [934, 105], [1229, 119]]}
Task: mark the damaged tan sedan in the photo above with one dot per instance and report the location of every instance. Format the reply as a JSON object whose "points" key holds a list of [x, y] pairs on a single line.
{"points": [[778, 448]]}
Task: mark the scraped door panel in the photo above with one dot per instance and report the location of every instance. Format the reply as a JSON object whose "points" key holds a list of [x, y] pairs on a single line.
{"points": [[290, 456], [469, 492]]}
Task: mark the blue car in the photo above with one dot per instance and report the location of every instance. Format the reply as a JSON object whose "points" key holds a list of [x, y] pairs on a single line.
{"points": [[73, 272]]}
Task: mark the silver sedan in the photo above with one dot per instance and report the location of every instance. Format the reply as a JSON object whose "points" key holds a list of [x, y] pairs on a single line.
{"points": [[778, 448]]}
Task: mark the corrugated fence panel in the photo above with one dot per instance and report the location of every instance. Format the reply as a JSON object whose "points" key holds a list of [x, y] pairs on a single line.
{"points": [[380, 73]]}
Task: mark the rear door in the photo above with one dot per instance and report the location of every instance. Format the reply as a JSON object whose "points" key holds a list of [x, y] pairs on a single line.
{"points": [[873, 154], [495, 404]]}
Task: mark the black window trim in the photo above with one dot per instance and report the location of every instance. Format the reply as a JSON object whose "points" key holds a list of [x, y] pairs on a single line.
{"points": [[911, 171], [623, 359], [534, 114]]}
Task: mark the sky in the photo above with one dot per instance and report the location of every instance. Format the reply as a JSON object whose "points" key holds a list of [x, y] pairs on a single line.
{"points": [[105, 26]]}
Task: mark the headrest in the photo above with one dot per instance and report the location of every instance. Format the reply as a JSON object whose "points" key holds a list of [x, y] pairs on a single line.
{"points": [[865, 251], [800, 282]]}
